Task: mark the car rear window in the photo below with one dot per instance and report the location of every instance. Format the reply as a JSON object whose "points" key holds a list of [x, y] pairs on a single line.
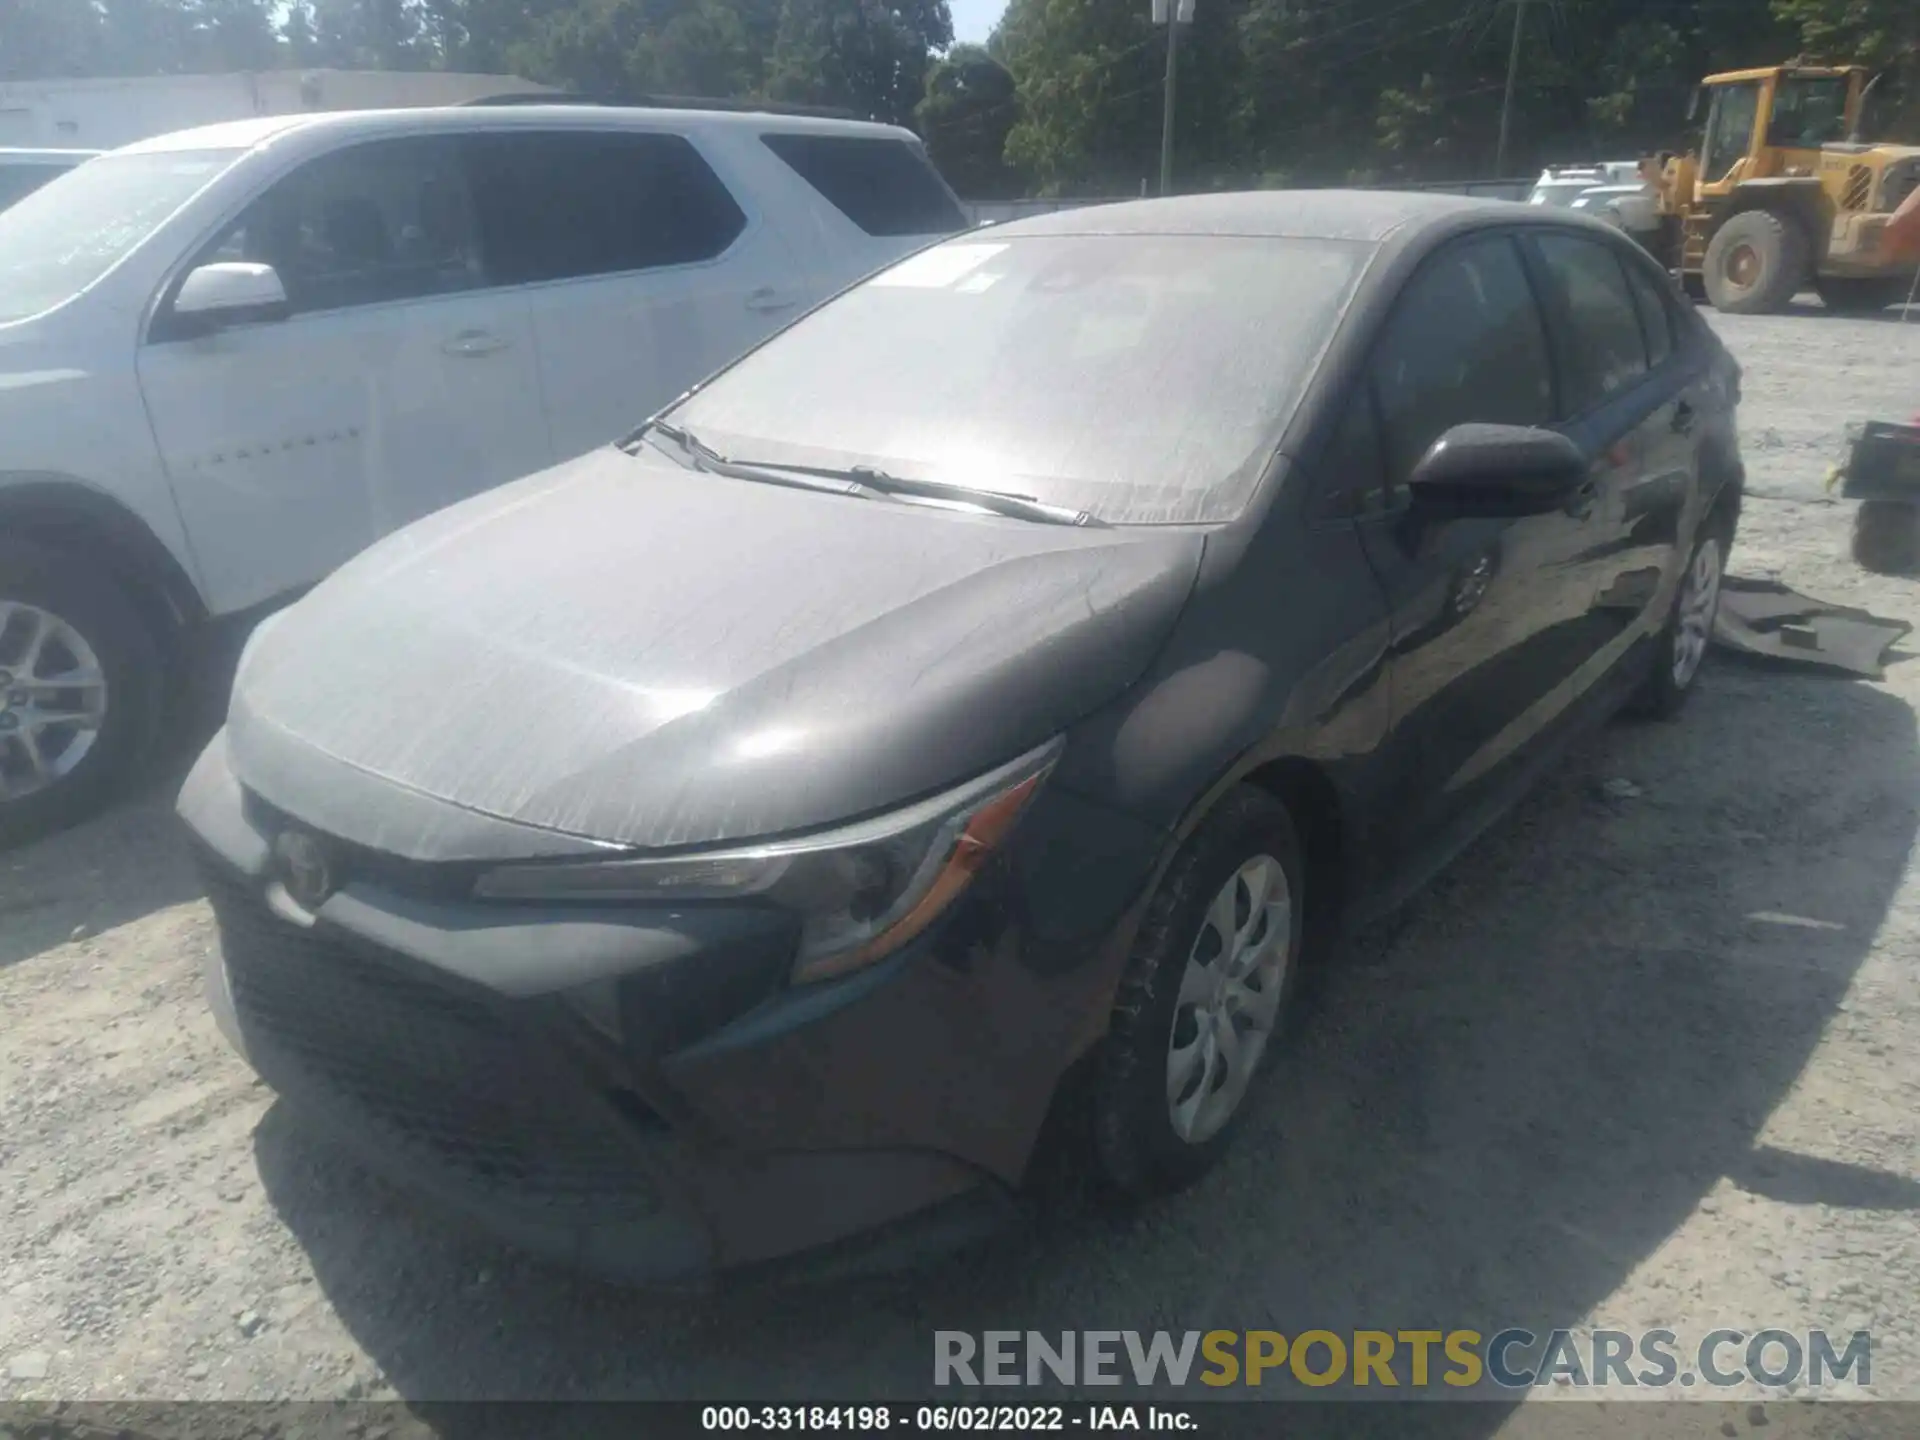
{"points": [[886, 187]]}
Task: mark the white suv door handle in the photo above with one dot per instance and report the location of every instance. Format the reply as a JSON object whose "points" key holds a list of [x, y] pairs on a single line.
{"points": [[474, 343], [767, 299]]}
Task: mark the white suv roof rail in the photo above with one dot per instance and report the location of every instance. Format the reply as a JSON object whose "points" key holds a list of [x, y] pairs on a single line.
{"points": [[667, 102]]}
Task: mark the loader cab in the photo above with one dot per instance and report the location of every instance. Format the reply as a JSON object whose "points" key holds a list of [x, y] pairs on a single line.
{"points": [[1773, 122]]}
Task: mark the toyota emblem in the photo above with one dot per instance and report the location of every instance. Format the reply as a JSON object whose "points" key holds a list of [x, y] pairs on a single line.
{"points": [[304, 868]]}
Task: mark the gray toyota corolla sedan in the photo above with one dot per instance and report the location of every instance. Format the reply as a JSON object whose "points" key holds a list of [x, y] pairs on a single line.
{"points": [[986, 690]]}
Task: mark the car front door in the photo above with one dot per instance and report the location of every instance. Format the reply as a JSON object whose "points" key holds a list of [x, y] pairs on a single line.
{"points": [[644, 271], [399, 382], [1492, 617], [1624, 399]]}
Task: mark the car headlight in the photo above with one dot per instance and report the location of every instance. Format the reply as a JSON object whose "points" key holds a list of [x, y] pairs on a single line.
{"points": [[860, 891]]}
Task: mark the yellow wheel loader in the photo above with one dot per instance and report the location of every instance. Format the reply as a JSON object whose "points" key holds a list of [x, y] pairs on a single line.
{"points": [[1782, 194]]}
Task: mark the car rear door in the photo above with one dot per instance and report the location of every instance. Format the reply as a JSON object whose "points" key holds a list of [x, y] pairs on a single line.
{"points": [[856, 203], [1491, 616], [644, 271], [1623, 398], [400, 382]]}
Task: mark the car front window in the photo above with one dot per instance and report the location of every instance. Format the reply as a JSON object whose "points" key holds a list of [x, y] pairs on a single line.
{"points": [[67, 234], [1142, 378]]}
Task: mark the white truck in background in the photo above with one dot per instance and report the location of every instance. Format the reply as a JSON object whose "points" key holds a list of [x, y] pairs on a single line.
{"points": [[1613, 191], [104, 114]]}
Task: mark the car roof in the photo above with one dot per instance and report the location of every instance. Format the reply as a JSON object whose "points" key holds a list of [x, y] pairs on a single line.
{"points": [[454, 119], [1365, 215]]}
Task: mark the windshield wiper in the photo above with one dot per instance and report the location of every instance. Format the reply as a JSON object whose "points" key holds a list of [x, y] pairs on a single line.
{"points": [[1000, 502], [874, 481], [705, 457], [866, 480]]}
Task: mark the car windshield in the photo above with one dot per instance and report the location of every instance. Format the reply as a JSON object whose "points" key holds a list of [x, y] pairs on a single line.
{"points": [[1142, 378], [67, 234]]}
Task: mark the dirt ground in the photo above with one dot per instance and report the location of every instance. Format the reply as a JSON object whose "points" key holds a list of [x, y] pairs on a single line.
{"points": [[1649, 1054]]}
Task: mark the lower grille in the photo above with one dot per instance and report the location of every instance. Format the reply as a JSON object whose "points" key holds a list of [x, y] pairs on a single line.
{"points": [[446, 1074]]}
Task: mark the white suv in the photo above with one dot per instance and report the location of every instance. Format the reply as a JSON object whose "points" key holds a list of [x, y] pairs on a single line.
{"points": [[232, 357]]}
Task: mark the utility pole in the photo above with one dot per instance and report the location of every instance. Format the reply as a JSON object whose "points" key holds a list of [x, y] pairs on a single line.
{"points": [[1173, 14], [1506, 101]]}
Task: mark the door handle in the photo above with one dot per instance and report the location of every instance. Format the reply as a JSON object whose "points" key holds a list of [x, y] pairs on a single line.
{"points": [[1682, 418], [472, 344], [768, 300]]}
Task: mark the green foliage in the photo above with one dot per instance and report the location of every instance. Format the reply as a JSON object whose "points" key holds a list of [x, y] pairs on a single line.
{"points": [[969, 107]]}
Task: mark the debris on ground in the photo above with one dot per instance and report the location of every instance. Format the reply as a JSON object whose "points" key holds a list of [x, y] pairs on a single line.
{"points": [[29, 1365], [1766, 619]]}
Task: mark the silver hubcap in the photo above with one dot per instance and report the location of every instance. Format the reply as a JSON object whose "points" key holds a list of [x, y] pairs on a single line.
{"points": [[1229, 998], [1699, 600], [53, 698]]}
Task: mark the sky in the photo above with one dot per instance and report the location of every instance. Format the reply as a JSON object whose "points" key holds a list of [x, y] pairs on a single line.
{"points": [[974, 19]]}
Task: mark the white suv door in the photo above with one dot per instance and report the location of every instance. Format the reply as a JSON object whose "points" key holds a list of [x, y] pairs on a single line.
{"points": [[645, 272], [399, 383]]}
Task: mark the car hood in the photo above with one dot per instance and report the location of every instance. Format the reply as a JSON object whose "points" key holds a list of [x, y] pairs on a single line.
{"points": [[632, 653]]}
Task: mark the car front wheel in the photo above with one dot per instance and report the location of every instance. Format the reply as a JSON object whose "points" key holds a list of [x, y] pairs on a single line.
{"points": [[79, 689], [1203, 998]]}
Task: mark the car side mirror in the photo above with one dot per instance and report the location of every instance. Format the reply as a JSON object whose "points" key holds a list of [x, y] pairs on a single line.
{"points": [[231, 292], [1497, 470]]}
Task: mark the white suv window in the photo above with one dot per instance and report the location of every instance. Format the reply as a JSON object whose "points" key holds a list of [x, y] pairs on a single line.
{"points": [[886, 187], [561, 205], [378, 223]]}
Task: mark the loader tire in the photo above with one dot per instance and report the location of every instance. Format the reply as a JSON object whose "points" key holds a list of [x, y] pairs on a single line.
{"points": [[1756, 263]]}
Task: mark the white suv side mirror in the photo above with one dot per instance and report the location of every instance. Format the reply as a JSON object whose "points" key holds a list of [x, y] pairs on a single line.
{"points": [[232, 292]]}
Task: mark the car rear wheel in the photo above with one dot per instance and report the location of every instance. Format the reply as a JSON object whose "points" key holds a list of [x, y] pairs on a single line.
{"points": [[1756, 263], [1203, 1000], [79, 689], [1682, 647]]}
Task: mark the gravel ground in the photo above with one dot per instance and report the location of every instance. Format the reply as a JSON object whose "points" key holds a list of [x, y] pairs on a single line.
{"points": [[1584, 1080]]}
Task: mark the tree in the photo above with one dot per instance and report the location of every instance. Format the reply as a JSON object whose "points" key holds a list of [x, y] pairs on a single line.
{"points": [[969, 108], [1087, 76], [370, 34], [870, 56], [230, 35], [48, 38]]}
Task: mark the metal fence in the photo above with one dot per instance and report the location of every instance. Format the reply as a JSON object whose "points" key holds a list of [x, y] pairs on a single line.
{"points": [[997, 212]]}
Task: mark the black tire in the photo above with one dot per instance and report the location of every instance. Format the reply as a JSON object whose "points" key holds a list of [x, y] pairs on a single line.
{"points": [[1136, 1148], [1663, 694], [68, 586], [1886, 537], [1860, 294], [1756, 263]]}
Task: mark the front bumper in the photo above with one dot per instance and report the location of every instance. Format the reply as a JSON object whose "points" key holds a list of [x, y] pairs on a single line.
{"points": [[431, 1036]]}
